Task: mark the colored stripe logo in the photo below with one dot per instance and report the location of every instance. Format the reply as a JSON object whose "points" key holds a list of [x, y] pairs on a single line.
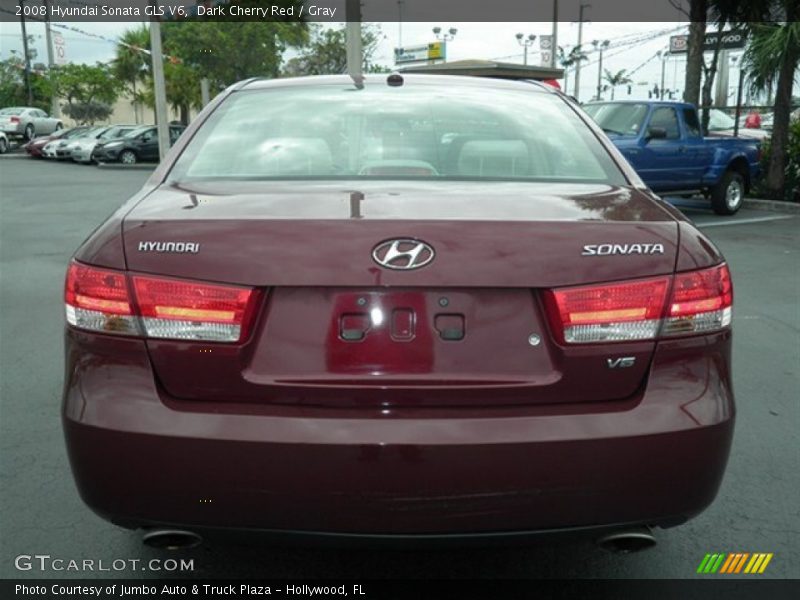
{"points": [[735, 562]]}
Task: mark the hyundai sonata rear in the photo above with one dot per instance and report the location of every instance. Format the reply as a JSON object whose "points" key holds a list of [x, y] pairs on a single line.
{"points": [[419, 306]]}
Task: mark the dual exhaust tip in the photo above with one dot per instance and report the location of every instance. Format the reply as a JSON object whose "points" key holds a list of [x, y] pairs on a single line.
{"points": [[620, 542]]}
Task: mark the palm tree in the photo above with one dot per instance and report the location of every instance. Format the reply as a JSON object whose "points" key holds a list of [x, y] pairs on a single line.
{"points": [[131, 64], [570, 59], [773, 57], [615, 79]]}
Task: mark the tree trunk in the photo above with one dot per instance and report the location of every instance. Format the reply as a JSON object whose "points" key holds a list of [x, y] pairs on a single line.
{"points": [[694, 57], [708, 83], [184, 114], [776, 170]]}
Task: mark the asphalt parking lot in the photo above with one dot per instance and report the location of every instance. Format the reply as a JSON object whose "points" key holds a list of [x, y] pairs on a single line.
{"points": [[47, 209]]}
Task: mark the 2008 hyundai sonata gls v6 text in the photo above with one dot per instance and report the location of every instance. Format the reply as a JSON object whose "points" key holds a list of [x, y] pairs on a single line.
{"points": [[416, 305]]}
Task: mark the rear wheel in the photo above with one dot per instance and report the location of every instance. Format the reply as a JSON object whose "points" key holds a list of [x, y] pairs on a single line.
{"points": [[59, 126], [127, 157], [3, 145], [29, 132], [728, 195]]}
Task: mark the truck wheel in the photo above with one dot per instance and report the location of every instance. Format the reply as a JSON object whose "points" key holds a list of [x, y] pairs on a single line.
{"points": [[728, 195]]}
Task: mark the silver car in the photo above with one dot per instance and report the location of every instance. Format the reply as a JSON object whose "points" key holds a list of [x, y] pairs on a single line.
{"points": [[27, 122], [81, 149]]}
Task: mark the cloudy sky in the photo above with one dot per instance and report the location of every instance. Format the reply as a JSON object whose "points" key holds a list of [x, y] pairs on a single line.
{"points": [[473, 40]]}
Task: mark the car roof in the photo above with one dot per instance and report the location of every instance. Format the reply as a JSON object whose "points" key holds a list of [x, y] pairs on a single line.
{"points": [[376, 80], [649, 102]]}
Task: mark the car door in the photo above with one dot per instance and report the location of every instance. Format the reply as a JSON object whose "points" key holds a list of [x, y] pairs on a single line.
{"points": [[148, 145], [41, 123], [662, 160]]}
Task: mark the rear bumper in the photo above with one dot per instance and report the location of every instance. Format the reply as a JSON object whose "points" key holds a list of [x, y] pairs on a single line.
{"points": [[142, 459]]}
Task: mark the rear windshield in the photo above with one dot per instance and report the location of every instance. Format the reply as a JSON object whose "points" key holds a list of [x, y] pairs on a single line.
{"points": [[12, 111], [409, 132], [618, 119]]}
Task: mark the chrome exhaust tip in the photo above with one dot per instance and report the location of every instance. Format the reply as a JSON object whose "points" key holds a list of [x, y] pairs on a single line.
{"points": [[171, 539], [628, 541]]}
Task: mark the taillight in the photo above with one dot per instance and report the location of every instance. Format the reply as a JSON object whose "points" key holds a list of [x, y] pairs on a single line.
{"points": [[609, 313], [186, 310], [98, 299], [102, 300], [14, 119], [699, 302]]}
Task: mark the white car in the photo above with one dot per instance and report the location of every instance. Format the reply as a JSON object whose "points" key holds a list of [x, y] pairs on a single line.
{"points": [[27, 122], [49, 151], [720, 123], [3, 143]]}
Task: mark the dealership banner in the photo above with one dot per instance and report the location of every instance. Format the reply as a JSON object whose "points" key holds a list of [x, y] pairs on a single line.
{"points": [[336, 10], [368, 589]]}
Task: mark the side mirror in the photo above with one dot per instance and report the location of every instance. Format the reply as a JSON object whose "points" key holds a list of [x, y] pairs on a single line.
{"points": [[655, 133]]}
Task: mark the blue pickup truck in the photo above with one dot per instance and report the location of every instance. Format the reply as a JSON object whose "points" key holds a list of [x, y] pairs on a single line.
{"points": [[664, 143]]}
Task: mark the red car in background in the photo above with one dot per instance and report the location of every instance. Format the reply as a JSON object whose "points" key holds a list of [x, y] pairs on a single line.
{"points": [[35, 146], [408, 307]]}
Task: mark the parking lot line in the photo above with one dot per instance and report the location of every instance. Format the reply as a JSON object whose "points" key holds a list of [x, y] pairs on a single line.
{"points": [[744, 221]]}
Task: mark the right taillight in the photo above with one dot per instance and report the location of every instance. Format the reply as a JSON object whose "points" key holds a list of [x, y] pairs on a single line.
{"points": [[684, 304], [701, 301], [103, 300]]}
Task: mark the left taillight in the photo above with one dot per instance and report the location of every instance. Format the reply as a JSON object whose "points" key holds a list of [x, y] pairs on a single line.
{"points": [[113, 302]]}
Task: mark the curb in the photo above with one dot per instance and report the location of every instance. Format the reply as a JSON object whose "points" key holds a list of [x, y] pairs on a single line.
{"points": [[121, 167], [792, 208]]}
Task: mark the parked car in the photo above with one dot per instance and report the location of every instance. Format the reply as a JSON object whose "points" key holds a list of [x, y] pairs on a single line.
{"points": [[3, 143], [338, 322], [720, 123], [26, 122], [35, 147], [663, 142], [136, 146], [81, 150]]}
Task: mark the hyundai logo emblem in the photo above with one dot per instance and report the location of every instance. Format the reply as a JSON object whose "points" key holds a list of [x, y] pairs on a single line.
{"points": [[403, 254]]}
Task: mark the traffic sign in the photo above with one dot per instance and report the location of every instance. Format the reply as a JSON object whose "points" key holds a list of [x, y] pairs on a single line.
{"points": [[60, 48]]}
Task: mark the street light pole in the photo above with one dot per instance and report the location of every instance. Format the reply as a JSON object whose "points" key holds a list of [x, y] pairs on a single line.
{"points": [[525, 43], [580, 42], [663, 67], [55, 110], [25, 51], [555, 35], [159, 88]]}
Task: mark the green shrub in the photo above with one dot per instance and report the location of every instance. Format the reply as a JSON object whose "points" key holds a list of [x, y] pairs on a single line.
{"points": [[791, 191]]}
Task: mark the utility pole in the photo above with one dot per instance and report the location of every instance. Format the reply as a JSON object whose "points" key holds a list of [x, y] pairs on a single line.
{"points": [[205, 96], [55, 110], [27, 55], [355, 53], [723, 78], [601, 46], [159, 87], [663, 56], [580, 42], [400, 4], [555, 35]]}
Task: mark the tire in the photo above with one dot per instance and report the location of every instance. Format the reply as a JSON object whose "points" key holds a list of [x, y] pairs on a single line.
{"points": [[127, 157], [29, 132], [3, 146], [59, 126], [728, 195]]}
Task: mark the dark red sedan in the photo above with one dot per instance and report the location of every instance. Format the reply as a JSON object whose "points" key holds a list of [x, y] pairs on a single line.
{"points": [[414, 306]]}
